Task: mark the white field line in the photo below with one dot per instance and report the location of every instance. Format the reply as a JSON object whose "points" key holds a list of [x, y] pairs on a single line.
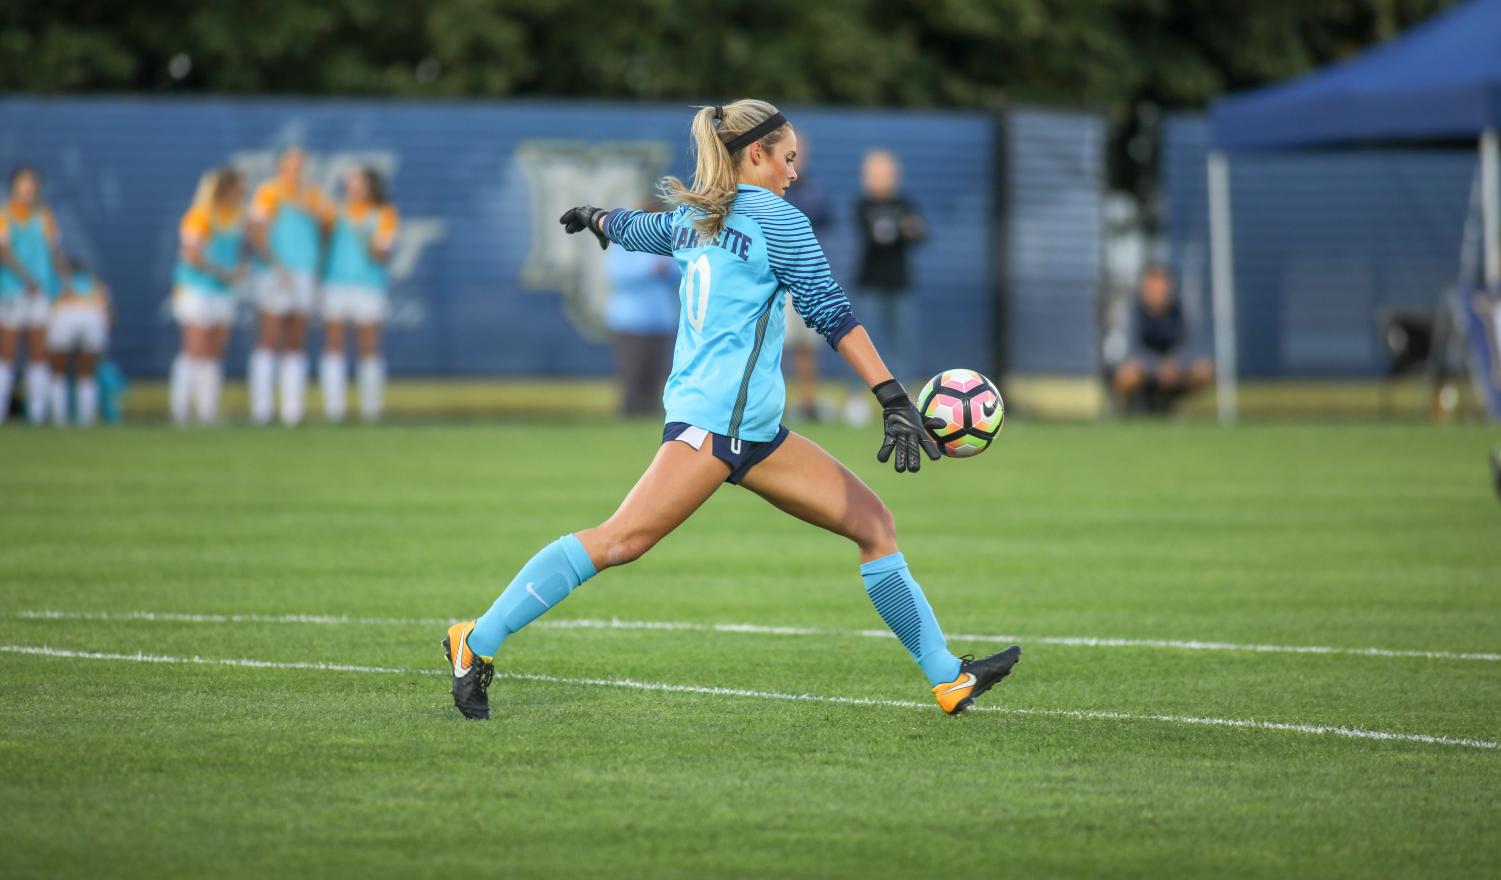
{"points": [[664, 687], [755, 629]]}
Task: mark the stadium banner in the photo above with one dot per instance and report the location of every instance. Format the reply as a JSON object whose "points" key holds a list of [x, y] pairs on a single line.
{"points": [[484, 281]]}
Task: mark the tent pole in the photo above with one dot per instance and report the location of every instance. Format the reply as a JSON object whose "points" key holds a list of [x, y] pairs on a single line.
{"points": [[1490, 201], [1222, 283]]}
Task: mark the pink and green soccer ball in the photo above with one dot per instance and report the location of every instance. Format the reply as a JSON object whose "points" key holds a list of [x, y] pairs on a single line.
{"points": [[970, 407]]}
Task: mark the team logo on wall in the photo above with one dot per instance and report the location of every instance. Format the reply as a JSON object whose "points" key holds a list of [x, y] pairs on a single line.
{"points": [[327, 171], [561, 175]]}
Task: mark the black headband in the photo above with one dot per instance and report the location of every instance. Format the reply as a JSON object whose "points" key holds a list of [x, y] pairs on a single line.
{"points": [[761, 130]]}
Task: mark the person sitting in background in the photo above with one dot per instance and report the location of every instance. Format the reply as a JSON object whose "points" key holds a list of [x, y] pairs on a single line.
{"points": [[642, 315], [1158, 369], [79, 323]]}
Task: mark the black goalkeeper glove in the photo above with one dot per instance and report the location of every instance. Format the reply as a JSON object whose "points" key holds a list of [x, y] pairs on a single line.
{"points": [[583, 217], [906, 432]]}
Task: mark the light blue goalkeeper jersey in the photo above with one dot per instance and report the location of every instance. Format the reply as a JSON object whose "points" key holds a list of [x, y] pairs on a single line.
{"points": [[727, 364]]}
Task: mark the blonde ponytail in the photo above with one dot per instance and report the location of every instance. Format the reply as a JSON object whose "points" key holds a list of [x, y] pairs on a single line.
{"points": [[716, 171], [203, 196]]}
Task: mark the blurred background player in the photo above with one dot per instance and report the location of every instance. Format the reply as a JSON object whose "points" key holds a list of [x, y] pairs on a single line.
{"points": [[642, 315], [1159, 367], [354, 292], [288, 220], [31, 273], [211, 260], [79, 324], [803, 342], [889, 222]]}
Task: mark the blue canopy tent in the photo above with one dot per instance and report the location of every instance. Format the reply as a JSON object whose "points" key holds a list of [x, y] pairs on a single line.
{"points": [[1440, 80]]}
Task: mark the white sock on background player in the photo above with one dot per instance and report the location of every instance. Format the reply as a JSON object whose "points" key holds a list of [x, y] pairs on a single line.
{"points": [[88, 401], [333, 378], [293, 387], [372, 387], [59, 403], [208, 379], [7, 376], [262, 377], [38, 376], [180, 388]]}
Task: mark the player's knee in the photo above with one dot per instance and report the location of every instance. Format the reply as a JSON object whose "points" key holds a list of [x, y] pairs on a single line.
{"points": [[877, 530], [627, 547]]}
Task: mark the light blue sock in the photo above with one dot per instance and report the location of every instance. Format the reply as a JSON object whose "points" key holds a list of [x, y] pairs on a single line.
{"points": [[905, 609], [547, 579]]}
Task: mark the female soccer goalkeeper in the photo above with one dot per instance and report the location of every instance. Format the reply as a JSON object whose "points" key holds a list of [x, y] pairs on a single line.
{"points": [[740, 246]]}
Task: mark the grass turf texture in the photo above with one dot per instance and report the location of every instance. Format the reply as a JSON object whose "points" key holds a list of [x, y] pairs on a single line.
{"points": [[1338, 536]]}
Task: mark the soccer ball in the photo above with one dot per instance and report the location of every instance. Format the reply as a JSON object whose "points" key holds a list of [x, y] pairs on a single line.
{"points": [[969, 406]]}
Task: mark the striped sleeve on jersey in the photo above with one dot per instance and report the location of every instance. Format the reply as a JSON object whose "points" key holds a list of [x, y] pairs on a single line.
{"points": [[649, 231], [798, 262]]}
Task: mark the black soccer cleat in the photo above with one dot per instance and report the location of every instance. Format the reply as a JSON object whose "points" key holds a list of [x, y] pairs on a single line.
{"points": [[975, 678], [472, 673]]}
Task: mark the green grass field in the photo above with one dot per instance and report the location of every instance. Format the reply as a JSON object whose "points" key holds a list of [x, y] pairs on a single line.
{"points": [[1127, 758]]}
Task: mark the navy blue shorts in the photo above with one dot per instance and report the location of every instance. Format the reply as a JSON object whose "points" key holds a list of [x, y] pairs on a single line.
{"points": [[740, 455]]}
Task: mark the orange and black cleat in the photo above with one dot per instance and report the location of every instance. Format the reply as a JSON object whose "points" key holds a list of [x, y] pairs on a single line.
{"points": [[471, 673], [975, 678]]}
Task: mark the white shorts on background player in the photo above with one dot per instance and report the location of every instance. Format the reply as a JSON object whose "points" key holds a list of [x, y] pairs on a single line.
{"points": [[202, 308], [82, 328], [354, 302], [285, 293], [800, 335], [25, 310]]}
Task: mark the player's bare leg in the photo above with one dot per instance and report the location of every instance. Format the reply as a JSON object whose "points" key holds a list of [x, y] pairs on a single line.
{"points": [[57, 363], [805, 481], [10, 337], [38, 375], [805, 373], [679, 480]]}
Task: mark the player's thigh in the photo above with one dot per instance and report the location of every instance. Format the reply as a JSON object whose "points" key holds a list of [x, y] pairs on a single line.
{"points": [[802, 479], [269, 329], [294, 330], [678, 481], [333, 335], [369, 338], [36, 342], [215, 338]]}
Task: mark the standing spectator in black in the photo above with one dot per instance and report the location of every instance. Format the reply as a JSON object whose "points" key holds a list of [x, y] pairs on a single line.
{"points": [[889, 222], [1160, 366], [808, 196]]}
